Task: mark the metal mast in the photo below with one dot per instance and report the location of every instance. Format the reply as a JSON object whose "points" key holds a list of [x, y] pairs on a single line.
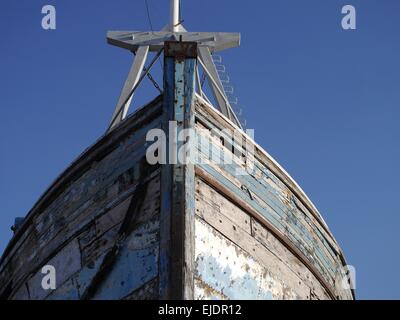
{"points": [[142, 43], [175, 14]]}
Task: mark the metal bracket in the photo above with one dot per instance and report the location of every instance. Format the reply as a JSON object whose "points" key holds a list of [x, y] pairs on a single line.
{"points": [[132, 40]]}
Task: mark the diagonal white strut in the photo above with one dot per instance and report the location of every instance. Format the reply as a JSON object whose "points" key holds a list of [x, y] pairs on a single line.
{"points": [[215, 83], [122, 108], [218, 89]]}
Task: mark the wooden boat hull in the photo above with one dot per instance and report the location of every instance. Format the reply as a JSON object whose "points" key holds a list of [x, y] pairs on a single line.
{"points": [[116, 227]]}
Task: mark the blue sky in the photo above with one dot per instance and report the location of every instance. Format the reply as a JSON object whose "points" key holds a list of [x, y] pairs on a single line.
{"points": [[323, 101]]}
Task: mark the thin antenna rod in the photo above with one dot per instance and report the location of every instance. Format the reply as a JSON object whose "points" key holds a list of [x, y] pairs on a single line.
{"points": [[174, 16]]}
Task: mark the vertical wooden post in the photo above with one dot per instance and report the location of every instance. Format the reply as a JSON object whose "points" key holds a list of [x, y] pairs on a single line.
{"points": [[177, 177]]}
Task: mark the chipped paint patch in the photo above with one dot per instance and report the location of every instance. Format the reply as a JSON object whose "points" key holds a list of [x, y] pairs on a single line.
{"points": [[225, 270]]}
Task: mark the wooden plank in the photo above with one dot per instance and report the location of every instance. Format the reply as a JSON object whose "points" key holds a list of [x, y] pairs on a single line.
{"points": [[267, 239], [177, 210], [112, 218], [204, 193], [166, 188], [189, 210]]}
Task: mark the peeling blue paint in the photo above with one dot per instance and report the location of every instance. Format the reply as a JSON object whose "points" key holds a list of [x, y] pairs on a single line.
{"points": [[220, 278]]}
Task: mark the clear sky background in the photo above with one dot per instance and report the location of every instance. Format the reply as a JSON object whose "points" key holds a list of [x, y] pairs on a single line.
{"points": [[323, 101]]}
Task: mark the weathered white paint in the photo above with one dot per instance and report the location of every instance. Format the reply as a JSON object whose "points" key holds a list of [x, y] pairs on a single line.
{"points": [[231, 272]]}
